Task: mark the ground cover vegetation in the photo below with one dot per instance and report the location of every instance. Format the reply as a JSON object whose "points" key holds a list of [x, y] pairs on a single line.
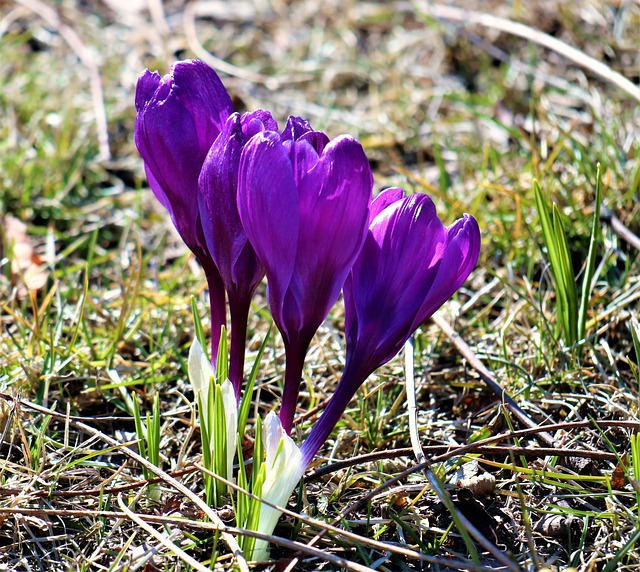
{"points": [[505, 438]]}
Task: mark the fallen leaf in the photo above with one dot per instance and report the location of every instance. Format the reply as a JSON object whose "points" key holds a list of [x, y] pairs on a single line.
{"points": [[399, 501], [618, 480], [28, 271]]}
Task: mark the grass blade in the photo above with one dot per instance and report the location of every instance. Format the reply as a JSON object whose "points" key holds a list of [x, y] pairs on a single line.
{"points": [[245, 404], [558, 251], [197, 324], [587, 282]]}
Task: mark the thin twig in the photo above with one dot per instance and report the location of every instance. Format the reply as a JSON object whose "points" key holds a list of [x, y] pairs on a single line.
{"points": [[618, 227], [228, 538], [161, 538], [362, 502], [421, 466], [441, 452], [468, 17], [209, 526], [325, 527], [445, 452], [156, 9], [190, 14], [102, 490], [466, 528]]}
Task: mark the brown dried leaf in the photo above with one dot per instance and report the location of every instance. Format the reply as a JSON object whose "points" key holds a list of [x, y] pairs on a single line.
{"points": [[34, 521], [618, 480], [28, 271], [399, 501]]}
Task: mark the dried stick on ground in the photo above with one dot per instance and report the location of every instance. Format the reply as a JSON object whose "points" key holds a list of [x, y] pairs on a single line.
{"points": [[228, 538], [528, 33], [619, 228], [70, 36], [464, 525], [488, 378]]}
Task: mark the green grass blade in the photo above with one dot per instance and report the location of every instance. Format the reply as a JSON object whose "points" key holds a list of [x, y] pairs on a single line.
{"points": [[587, 282], [561, 268], [245, 404], [258, 452], [253, 516], [566, 278], [141, 432], [205, 439], [444, 497], [614, 563], [153, 427], [222, 361], [549, 240], [241, 503], [197, 324]]}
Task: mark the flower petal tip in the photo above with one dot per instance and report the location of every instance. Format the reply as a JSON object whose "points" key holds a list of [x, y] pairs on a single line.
{"points": [[199, 368]]}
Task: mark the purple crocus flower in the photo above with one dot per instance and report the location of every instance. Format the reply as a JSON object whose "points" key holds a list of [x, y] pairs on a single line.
{"points": [[179, 117], [227, 242], [409, 266], [304, 204]]}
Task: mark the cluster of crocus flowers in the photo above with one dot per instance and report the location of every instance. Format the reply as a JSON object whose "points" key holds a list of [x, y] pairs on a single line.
{"points": [[304, 202], [251, 200]]}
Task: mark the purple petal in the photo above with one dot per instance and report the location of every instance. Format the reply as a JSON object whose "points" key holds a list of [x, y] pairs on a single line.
{"points": [[317, 139], [459, 260], [218, 184], [158, 191], [409, 266], [303, 158], [334, 199], [384, 199], [148, 83], [173, 161], [205, 98], [298, 129], [257, 121], [267, 204], [177, 123], [295, 128]]}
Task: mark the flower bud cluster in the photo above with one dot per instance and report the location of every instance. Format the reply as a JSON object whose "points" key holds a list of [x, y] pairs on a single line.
{"points": [[252, 200]]}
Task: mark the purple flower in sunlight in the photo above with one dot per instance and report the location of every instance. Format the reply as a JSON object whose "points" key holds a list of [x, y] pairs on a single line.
{"points": [[304, 204], [409, 266], [179, 117], [226, 239]]}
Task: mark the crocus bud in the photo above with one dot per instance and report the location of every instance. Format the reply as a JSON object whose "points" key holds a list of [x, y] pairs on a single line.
{"points": [[283, 469], [226, 239], [409, 266], [304, 204], [179, 117], [201, 375]]}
